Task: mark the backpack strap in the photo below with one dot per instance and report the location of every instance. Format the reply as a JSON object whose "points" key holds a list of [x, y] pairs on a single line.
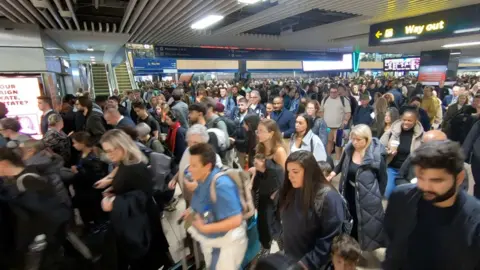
{"points": [[215, 122], [213, 190], [342, 98], [248, 209], [20, 185]]}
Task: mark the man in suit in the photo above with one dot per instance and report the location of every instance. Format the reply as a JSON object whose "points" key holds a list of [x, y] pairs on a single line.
{"points": [[115, 119]]}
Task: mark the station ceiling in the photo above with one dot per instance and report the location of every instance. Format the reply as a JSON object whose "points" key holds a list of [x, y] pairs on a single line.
{"points": [[339, 26]]}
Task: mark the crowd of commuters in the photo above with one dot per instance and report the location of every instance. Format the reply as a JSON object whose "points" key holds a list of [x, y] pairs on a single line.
{"points": [[256, 163]]}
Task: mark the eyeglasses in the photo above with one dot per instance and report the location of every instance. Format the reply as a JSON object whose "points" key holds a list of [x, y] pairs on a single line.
{"points": [[109, 151]]}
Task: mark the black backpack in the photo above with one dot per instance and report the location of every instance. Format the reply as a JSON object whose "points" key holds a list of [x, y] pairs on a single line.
{"points": [[347, 224], [231, 126]]}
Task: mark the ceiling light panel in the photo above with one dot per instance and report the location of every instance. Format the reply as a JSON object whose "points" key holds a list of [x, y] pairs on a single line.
{"points": [[207, 22], [464, 44]]}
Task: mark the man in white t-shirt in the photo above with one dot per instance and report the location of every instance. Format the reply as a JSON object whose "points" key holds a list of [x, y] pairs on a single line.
{"points": [[336, 112]]}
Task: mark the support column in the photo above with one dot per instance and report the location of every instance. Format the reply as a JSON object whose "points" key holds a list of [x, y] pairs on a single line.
{"points": [[242, 66]]}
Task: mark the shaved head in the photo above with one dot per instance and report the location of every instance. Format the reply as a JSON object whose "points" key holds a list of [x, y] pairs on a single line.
{"points": [[434, 135]]}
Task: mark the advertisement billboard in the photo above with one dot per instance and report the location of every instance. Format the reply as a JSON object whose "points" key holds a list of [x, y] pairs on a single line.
{"points": [[20, 97], [432, 74], [401, 64]]}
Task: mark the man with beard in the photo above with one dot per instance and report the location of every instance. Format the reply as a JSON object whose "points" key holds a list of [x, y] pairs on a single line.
{"points": [[284, 118], [433, 224], [240, 111]]}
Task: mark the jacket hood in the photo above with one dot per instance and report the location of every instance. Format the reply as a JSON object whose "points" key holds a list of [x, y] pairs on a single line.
{"points": [[97, 108], [373, 155], [397, 128], [45, 161]]}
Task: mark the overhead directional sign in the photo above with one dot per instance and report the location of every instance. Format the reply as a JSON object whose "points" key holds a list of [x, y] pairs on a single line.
{"points": [[442, 24], [242, 54]]}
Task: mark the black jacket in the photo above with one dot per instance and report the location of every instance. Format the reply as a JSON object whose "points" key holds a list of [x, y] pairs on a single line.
{"points": [[36, 210], [401, 219], [371, 181], [94, 124], [129, 220], [51, 167]]}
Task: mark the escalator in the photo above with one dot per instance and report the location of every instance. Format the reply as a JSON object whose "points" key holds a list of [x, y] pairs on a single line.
{"points": [[123, 78], [100, 80]]}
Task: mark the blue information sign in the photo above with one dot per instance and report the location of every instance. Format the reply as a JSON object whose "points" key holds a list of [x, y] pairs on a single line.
{"points": [[154, 64], [242, 54]]}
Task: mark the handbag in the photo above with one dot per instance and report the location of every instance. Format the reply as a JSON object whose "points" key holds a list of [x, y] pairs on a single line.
{"points": [[253, 246]]}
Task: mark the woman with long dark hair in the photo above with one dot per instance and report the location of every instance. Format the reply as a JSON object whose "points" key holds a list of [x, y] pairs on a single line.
{"points": [[305, 139], [311, 210], [176, 136], [249, 141], [270, 142], [88, 170]]}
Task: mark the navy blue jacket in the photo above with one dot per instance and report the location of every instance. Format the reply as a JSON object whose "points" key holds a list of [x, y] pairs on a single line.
{"points": [[362, 115], [285, 121], [260, 110], [44, 122], [397, 93], [401, 219], [125, 122]]}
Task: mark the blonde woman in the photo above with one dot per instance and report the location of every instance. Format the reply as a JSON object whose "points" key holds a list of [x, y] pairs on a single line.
{"points": [[364, 177], [129, 202]]}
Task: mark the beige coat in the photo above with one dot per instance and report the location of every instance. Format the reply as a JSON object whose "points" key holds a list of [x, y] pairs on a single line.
{"points": [[394, 134]]}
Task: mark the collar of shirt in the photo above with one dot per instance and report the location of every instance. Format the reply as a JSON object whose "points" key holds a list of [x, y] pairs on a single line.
{"points": [[120, 119], [51, 110]]}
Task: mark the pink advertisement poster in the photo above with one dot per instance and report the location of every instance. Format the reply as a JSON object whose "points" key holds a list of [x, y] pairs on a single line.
{"points": [[20, 97]]}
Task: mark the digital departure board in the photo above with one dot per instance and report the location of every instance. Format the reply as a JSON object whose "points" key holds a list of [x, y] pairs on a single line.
{"points": [[401, 64]]}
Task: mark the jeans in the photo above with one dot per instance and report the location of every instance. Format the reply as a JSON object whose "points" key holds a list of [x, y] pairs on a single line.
{"points": [[392, 174]]}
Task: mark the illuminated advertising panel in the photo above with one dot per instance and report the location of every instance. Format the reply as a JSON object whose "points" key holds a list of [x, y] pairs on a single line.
{"points": [[20, 97], [432, 74], [346, 64], [401, 64]]}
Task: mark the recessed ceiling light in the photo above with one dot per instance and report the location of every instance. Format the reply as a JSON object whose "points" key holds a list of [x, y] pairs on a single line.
{"points": [[93, 63], [464, 44], [467, 30], [455, 53], [207, 21], [90, 49], [92, 57], [397, 39], [248, 2]]}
